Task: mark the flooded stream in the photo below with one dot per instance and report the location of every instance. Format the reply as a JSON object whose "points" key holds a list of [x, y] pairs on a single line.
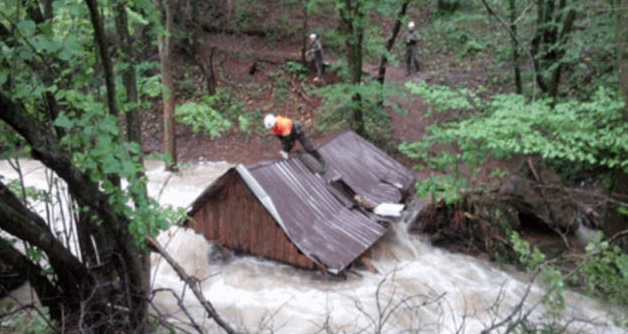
{"points": [[419, 289]]}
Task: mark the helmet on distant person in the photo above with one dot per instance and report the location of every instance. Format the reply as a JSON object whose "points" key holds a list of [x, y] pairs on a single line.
{"points": [[312, 37], [269, 121], [411, 25]]}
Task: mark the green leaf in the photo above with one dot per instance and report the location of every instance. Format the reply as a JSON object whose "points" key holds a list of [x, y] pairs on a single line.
{"points": [[63, 121], [26, 26], [128, 168]]}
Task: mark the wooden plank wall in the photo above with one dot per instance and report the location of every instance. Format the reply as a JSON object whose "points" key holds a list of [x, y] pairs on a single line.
{"points": [[234, 218]]}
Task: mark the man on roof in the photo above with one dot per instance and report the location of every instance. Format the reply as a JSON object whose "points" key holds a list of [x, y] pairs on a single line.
{"points": [[288, 131]]}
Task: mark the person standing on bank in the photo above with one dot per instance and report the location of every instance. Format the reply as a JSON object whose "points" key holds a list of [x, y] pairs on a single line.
{"points": [[316, 51], [411, 38], [288, 131]]}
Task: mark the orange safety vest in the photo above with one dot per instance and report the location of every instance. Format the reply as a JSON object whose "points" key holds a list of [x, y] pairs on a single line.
{"points": [[283, 126]]}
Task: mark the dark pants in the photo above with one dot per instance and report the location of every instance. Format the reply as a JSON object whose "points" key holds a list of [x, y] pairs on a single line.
{"points": [[318, 64], [412, 59], [299, 133]]}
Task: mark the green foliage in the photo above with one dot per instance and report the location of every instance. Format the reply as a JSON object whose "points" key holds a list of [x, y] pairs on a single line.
{"points": [[531, 257], [296, 68], [573, 133], [150, 86], [216, 114], [461, 33], [28, 192], [27, 321], [98, 149], [604, 273], [442, 187], [553, 281], [339, 107], [447, 7], [203, 118], [443, 98]]}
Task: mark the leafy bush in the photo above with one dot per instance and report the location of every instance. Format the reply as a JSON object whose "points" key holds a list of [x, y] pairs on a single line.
{"points": [[573, 132], [300, 70], [340, 107], [460, 33], [27, 322], [604, 273], [93, 136], [551, 278], [443, 98], [203, 119]]}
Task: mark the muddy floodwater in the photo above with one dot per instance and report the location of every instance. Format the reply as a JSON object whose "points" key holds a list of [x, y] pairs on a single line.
{"points": [[419, 289]]}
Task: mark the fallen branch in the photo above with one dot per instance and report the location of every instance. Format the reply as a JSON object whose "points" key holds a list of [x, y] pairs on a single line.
{"points": [[192, 282], [181, 306], [617, 236]]}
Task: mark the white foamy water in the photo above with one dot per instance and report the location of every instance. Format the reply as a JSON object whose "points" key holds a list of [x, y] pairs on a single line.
{"points": [[419, 289]]}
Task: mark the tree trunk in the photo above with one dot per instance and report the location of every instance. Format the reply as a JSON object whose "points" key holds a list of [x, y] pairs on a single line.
{"points": [[46, 292], [72, 277], [550, 42], [165, 55], [560, 53], [352, 17], [46, 148], [99, 35], [305, 34], [205, 65], [615, 221], [48, 9], [125, 50], [515, 46], [133, 135], [537, 44], [381, 74]]}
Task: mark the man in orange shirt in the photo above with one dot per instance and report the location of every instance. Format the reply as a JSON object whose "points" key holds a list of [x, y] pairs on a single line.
{"points": [[288, 131]]}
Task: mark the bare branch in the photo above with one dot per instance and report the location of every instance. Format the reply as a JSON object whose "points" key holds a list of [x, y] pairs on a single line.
{"points": [[181, 306], [617, 236], [509, 318], [32, 307], [192, 282]]}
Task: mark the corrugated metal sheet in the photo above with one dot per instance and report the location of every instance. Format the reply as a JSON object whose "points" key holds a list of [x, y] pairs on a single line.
{"points": [[366, 169], [316, 217], [319, 224]]}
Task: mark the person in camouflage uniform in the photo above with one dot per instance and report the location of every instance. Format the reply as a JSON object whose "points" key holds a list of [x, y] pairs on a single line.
{"points": [[316, 51], [411, 39]]}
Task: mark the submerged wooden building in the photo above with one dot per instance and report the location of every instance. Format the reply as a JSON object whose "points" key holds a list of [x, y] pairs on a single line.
{"points": [[284, 211]]}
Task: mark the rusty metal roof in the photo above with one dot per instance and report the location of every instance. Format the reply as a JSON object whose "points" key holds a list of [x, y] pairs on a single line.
{"points": [[323, 223], [366, 169]]}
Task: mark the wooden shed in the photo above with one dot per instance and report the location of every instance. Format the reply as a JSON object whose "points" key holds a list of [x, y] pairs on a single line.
{"points": [[284, 211]]}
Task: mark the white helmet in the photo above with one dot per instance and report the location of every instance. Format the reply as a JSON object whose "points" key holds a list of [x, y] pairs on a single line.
{"points": [[312, 36], [411, 25], [269, 121]]}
